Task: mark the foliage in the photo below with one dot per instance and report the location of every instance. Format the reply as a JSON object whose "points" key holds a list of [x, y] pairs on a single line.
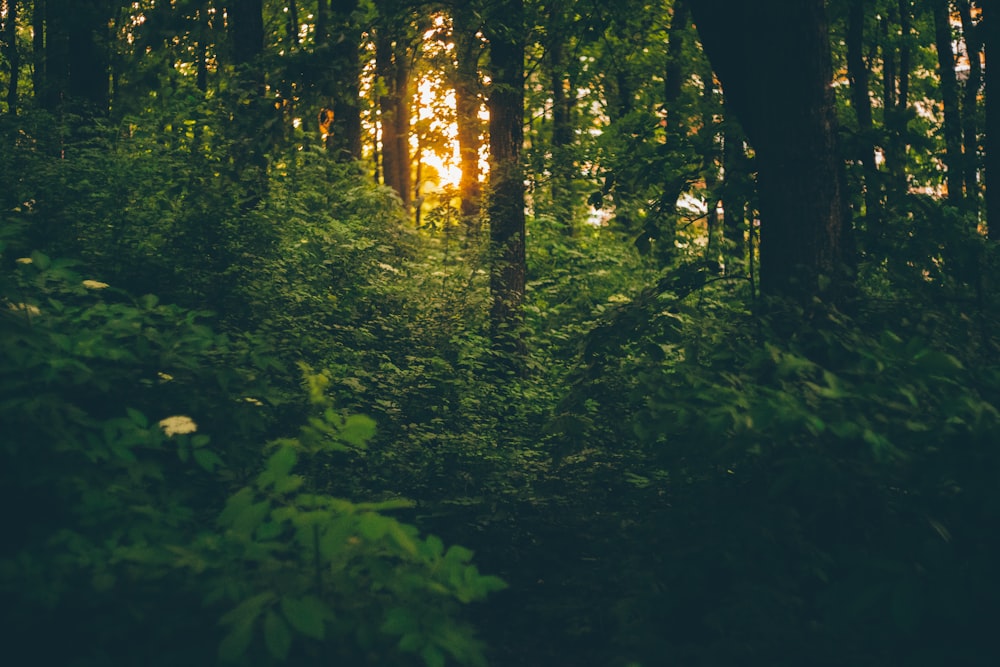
{"points": [[151, 530]]}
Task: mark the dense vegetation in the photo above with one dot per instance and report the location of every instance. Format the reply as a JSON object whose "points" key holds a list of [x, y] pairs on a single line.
{"points": [[274, 391]]}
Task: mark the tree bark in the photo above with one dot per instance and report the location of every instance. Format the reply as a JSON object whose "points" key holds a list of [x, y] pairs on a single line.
{"points": [[790, 120], [991, 41], [393, 70], [970, 103], [857, 72], [561, 168], [13, 55], [250, 160], [949, 96], [345, 65], [468, 48], [506, 202]]}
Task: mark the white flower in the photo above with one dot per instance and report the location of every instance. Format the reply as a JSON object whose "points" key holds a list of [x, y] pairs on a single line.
{"points": [[178, 424], [94, 284], [165, 377], [253, 401], [24, 260]]}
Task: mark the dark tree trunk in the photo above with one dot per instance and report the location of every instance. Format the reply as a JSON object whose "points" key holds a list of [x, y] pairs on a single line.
{"points": [[895, 97], [345, 65], [673, 78], [39, 63], [506, 202], [393, 70], [991, 41], [561, 169], [949, 96], [790, 121], [857, 72], [970, 103], [250, 160], [404, 160], [13, 55], [735, 187], [468, 49]]}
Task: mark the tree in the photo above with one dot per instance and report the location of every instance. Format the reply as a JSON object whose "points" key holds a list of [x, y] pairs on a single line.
{"points": [[505, 26], [941, 10], [341, 82], [468, 53], [790, 122], [991, 41], [8, 33]]}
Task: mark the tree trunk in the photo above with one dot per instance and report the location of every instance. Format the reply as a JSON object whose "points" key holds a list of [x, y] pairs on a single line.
{"points": [[13, 55], [991, 41], [673, 77], [735, 187], [857, 72], [506, 202], [392, 68], [250, 160], [790, 120], [896, 87], [970, 103], [561, 169], [949, 96], [345, 66], [468, 48]]}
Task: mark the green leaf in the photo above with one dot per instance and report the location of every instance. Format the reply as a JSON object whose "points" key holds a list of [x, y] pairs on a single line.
{"points": [[277, 638], [306, 615], [357, 430], [207, 459], [137, 417]]}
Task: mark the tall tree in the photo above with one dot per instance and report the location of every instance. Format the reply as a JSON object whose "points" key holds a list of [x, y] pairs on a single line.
{"points": [[505, 26], [970, 101], [395, 49], [991, 42], [345, 76], [250, 159], [72, 68], [860, 80], [791, 123], [468, 52], [941, 10], [8, 34]]}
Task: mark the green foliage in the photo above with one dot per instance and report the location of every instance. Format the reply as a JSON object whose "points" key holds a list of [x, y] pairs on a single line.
{"points": [[156, 529]]}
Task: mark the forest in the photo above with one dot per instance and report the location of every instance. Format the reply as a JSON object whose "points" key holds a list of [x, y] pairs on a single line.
{"points": [[536, 333]]}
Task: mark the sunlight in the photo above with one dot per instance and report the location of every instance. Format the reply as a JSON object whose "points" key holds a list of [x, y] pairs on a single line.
{"points": [[429, 106]]}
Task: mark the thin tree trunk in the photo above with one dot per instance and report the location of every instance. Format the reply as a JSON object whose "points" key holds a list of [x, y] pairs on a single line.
{"points": [[38, 52], [949, 96], [468, 48], [991, 42], [293, 24], [562, 125], [247, 26], [734, 187], [857, 72], [13, 55], [970, 103]]}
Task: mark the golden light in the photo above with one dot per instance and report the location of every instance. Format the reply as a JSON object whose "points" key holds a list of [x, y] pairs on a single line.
{"points": [[447, 166]]}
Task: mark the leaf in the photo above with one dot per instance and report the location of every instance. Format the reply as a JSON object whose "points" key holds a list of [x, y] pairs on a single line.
{"points": [[306, 615], [207, 459], [137, 417], [277, 638], [935, 362], [357, 430]]}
